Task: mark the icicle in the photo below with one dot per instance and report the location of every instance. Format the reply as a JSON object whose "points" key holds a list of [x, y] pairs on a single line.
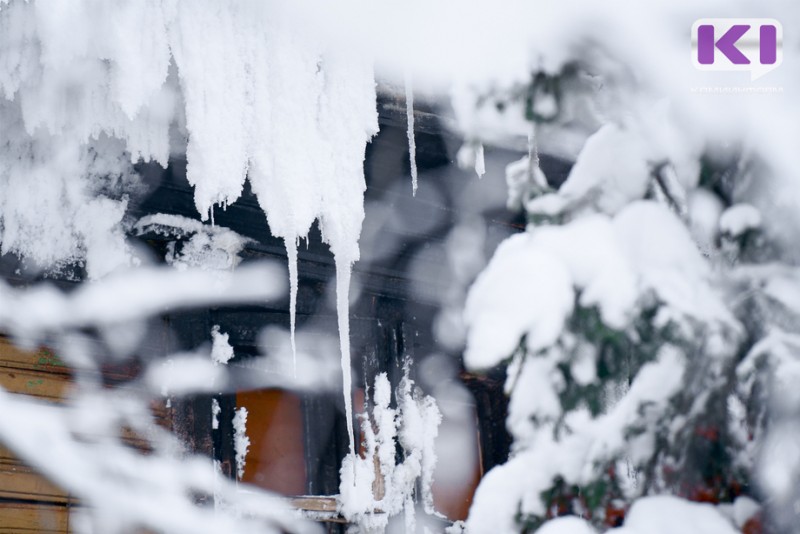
{"points": [[291, 255], [535, 175], [412, 144], [480, 165], [211, 215], [343, 272]]}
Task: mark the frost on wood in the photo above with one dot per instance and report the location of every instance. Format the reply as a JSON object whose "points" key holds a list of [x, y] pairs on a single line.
{"points": [[374, 487], [241, 443]]}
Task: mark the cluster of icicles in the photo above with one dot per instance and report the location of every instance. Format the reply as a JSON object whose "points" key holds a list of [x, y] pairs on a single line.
{"points": [[88, 87]]}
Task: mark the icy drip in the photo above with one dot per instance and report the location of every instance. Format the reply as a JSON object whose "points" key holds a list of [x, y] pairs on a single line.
{"points": [[291, 255], [533, 153], [412, 144], [343, 272]]}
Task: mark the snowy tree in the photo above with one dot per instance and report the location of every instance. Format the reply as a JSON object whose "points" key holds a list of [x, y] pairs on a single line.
{"points": [[645, 340]]}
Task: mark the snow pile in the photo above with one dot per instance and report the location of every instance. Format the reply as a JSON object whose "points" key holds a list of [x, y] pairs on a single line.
{"points": [[530, 287], [241, 443], [196, 244], [610, 172], [374, 487]]}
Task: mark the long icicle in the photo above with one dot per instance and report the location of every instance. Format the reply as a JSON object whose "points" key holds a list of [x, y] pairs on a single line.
{"points": [[291, 255], [412, 143], [343, 271]]}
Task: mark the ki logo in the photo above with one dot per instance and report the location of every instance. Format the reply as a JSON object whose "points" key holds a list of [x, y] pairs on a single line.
{"points": [[754, 45]]}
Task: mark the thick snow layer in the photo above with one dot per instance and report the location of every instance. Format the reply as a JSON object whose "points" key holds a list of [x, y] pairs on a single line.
{"points": [[529, 286], [610, 172], [666, 515], [668, 262], [521, 292], [83, 100]]}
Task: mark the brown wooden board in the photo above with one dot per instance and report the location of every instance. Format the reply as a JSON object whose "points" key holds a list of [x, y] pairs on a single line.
{"points": [[20, 482], [41, 518]]}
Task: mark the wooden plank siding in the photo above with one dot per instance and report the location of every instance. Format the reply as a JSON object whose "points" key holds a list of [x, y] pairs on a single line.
{"points": [[29, 518], [29, 502]]}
